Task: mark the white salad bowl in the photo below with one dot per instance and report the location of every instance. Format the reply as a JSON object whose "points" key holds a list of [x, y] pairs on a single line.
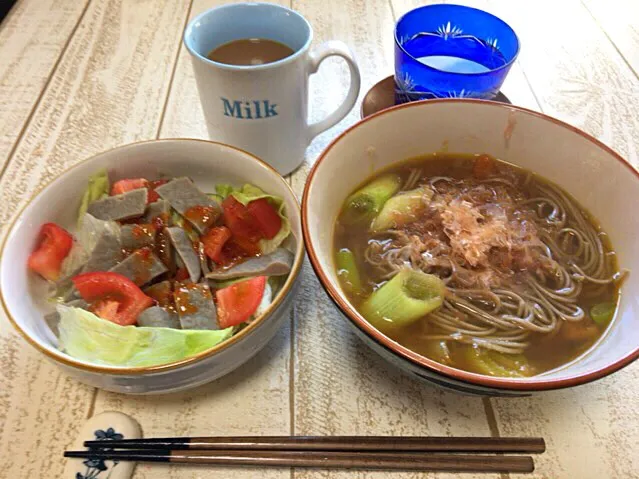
{"points": [[23, 294], [600, 180]]}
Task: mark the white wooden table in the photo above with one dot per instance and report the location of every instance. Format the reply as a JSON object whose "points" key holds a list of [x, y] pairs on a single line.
{"points": [[81, 76]]}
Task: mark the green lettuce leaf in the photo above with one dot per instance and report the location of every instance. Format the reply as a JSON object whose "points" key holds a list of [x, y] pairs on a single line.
{"points": [[98, 186], [85, 336], [223, 190], [250, 193]]}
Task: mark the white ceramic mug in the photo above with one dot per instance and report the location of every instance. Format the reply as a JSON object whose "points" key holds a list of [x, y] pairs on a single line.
{"points": [[263, 109]]}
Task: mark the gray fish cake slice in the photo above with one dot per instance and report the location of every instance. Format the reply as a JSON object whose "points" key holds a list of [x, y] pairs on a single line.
{"points": [[137, 236], [155, 209], [162, 293], [141, 267], [195, 306], [158, 317], [204, 262], [120, 207], [185, 198], [278, 263], [107, 251], [184, 249]]}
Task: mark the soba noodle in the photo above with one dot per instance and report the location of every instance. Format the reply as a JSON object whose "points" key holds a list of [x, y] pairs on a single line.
{"points": [[506, 291]]}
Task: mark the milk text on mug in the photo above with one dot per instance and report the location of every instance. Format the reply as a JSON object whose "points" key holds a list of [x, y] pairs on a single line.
{"points": [[249, 110]]}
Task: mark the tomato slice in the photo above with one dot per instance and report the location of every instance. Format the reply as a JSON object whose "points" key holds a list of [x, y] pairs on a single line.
{"points": [[128, 184], [52, 246], [266, 217], [102, 288], [240, 221], [105, 309], [236, 249], [245, 247], [236, 303], [153, 196], [213, 241]]}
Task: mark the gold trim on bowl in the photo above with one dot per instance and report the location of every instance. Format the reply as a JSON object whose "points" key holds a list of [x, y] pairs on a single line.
{"points": [[58, 356], [529, 384]]}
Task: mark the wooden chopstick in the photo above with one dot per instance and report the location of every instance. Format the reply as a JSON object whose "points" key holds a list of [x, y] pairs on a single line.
{"points": [[323, 459], [334, 443]]}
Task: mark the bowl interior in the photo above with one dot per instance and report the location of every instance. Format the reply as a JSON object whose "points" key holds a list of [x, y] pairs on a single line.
{"points": [[207, 163], [602, 182]]}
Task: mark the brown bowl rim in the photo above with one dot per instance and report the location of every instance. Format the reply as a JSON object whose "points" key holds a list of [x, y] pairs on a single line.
{"points": [[160, 368], [528, 384]]}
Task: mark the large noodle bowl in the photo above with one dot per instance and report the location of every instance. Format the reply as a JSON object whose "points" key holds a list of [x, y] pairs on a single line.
{"points": [[477, 264]]}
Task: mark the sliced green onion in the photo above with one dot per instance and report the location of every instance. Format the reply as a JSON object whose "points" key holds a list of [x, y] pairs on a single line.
{"points": [[402, 208], [438, 351], [407, 297], [602, 313], [494, 363], [347, 271], [514, 362], [366, 202]]}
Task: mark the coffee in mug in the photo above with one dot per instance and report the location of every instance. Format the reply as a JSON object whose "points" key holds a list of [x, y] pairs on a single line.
{"points": [[250, 51], [252, 63]]}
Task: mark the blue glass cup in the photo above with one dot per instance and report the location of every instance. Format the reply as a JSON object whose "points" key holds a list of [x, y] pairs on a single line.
{"points": [[451, 51]]}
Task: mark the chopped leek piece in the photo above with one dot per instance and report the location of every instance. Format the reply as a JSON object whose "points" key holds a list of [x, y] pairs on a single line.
{"points": [[366, 202], [494, 363], [347, 271], [408, 296], [402, 208], [602, 313], [438, 351]]}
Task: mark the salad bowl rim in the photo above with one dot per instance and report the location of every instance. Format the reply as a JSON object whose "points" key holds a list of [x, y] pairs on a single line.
{"points": [[67, 360]]}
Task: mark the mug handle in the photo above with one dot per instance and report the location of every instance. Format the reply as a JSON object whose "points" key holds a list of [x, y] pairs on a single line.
{"points": [[316, 57]]}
